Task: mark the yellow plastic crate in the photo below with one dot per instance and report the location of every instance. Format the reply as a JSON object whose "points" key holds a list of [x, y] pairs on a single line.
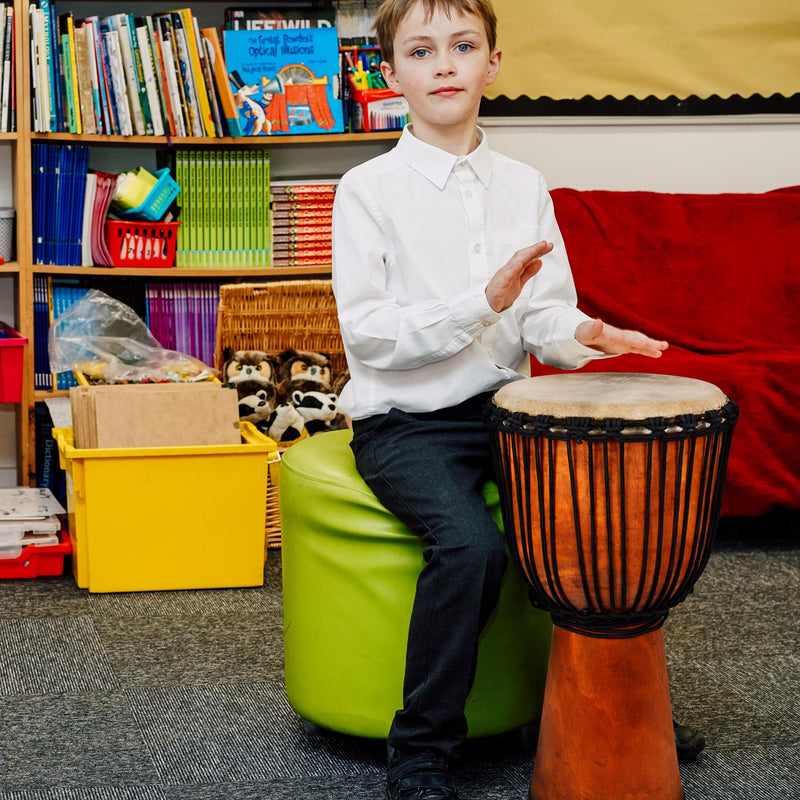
{"points": [[152, 518]]}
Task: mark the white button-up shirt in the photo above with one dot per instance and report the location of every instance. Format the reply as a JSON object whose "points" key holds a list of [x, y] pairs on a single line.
{"points": [[417, 234]]}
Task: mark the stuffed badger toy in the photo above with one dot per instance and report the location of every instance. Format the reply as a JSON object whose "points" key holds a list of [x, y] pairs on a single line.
{"points": [[288, 397]]}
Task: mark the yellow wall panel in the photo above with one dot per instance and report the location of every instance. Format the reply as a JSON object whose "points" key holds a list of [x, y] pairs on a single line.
{"points": [[567, 49]]}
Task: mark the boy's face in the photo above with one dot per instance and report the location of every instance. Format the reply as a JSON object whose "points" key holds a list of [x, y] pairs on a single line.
{"points": [[442, 65]]}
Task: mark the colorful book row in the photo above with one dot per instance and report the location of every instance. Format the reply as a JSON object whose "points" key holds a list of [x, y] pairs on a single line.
{"points": [[123, 74]]}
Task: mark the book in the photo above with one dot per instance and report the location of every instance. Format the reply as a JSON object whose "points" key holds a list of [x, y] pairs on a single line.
{"points": [[149, 76], [216, 61], [121, 23], [281, 17], [160, 77], [85, 89], [86, 228], [195, 68], [285, 81], [116, 71], [73, 113], [100, 59], [2, 54], [188, 84], [49, 60], [174, 84], [138, 63]]}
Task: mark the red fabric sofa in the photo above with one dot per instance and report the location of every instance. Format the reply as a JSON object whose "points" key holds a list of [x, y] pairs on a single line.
{"points": [[717, 276]]}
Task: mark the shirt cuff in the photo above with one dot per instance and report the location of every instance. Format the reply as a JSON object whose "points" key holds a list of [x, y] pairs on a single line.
{"points": [[573, 352], [471, 310]]}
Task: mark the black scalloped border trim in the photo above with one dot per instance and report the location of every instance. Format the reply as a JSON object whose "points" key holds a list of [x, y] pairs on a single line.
{"points": [[631, 106]]}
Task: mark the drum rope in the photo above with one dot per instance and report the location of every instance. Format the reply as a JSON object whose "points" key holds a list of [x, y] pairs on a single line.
{"points": [[527, 445]]}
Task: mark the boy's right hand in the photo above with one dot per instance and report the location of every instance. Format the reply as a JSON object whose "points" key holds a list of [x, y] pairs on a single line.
{"points": [[506, 284]]}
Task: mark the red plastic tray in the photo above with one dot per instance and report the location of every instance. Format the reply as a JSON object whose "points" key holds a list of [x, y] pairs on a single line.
{"points": [[36, 560]]}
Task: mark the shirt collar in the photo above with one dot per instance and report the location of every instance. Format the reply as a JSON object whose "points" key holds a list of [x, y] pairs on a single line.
{"points": [[436, 165]]}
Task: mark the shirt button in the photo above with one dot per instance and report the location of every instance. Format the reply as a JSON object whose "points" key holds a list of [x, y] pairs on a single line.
{"points": [[477, 248], [468, 194]]}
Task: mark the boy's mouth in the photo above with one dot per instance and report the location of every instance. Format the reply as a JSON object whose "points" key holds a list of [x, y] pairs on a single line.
{"points": [[447, 91]]}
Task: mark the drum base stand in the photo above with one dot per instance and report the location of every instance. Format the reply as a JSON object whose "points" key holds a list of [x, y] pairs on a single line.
{"points": [[606, 731]]}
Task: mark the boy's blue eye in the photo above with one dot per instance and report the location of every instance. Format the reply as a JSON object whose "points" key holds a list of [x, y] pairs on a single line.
{"points": [[419, 53], [464, 47]]}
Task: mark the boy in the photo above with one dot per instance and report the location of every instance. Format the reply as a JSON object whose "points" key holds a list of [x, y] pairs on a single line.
{"points": [[440, 293]]}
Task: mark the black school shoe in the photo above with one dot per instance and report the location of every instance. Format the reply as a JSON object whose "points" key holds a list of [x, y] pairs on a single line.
{"points": [[421, 777], [689, 742]]}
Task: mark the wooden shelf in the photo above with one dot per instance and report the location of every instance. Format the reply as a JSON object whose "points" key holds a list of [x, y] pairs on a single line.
{"points": [[227, 141], [328, 153], [176, 273]]}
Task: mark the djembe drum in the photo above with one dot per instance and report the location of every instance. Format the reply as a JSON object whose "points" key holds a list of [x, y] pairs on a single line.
{"points": [[611, 487]]}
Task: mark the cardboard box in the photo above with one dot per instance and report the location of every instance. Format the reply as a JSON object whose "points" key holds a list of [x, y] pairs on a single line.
{"points": [[156, 518], [155, 415]]}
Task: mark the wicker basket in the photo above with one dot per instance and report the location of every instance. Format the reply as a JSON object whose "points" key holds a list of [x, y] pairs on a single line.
{"points": [[273, 317]]}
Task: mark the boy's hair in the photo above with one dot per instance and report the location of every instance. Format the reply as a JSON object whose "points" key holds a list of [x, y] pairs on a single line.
{"points": [[392, 12]]}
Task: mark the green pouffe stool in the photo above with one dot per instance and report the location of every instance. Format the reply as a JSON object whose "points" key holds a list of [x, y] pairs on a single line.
{"points": [[349, 575]]}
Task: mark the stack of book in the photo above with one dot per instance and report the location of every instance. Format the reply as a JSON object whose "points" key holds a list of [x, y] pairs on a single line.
{"points": [[183, 316], [124, 74], [301, 223], [59, 193], [224, 207], [7, 82]]}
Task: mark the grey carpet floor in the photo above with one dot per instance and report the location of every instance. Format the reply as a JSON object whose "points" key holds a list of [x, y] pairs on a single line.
{"points": [[179, 695]]}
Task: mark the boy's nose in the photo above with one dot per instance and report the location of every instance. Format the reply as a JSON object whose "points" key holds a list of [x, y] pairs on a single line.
{"points": [[445, 66]]}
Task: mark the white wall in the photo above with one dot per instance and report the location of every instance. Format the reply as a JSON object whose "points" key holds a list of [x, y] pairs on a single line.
{"points": [[701, 154], [714, 154]]}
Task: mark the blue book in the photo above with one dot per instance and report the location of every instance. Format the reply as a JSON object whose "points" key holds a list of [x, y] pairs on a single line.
{"points": [[285, 81], [50, 53]]}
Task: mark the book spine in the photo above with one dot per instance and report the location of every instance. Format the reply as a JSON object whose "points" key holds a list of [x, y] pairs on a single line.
{"points": [[208, 77], [44, 6], [95, 75], [187, 78], [165, 37], [2, 56], [223, 86], [138, 61], [74, 70], [193, 41], [116, 71], [120, 23], [148, 71], [84, 80], [100, 55], [159, 77]]}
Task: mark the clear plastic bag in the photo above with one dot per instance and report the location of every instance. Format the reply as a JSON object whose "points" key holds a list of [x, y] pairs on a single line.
{"points": [[107, 341]]}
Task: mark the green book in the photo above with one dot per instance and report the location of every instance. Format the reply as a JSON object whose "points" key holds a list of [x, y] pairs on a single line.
{"points": [[66, 56]]}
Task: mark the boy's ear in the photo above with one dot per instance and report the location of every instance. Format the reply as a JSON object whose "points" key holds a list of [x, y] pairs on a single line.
{"points": [[494, 66], [390, 77]]}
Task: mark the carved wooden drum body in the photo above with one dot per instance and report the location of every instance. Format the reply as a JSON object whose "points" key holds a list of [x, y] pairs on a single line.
{"points": [[611, 487]]}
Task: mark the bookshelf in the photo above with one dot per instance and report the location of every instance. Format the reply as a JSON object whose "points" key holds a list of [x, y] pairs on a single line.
{"points": [[291, 157]]}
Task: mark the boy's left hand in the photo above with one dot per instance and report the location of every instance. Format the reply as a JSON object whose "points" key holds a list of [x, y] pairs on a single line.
{"points": [[614, 341]]}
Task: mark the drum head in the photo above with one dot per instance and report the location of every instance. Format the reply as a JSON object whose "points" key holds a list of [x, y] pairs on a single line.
{"points": [[629, 396]]}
